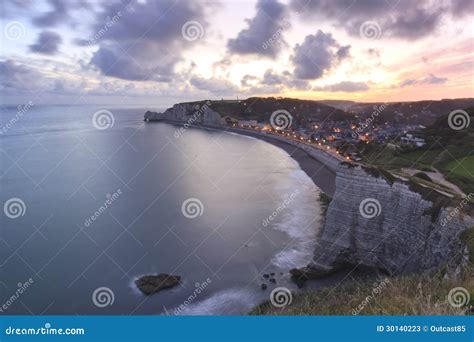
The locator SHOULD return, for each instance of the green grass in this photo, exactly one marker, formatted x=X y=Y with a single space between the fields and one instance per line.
x=408 y=295
x=463 y=167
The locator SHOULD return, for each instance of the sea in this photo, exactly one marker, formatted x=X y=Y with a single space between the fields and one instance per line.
x=93 y=198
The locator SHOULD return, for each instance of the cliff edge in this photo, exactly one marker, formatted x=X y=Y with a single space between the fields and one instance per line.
x=384 y=224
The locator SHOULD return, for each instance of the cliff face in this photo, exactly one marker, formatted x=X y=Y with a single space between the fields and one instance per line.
x=384 y=225
x=187 y=113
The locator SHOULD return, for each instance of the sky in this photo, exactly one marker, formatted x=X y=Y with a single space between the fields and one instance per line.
x=159 y=52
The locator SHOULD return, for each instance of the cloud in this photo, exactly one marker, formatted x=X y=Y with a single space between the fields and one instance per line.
x=57 y=14
x=286 y=78
x=48 y=43
x=430 y=79
x=406 y=19
x=143 y=41
x=264 y=34
x=19 y=78
x=214 y=85
x=247 y=80
x=345 y=86
x=317 y=55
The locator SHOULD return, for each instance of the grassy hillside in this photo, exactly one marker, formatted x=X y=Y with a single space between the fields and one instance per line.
x=448 y=150
x=260 y=108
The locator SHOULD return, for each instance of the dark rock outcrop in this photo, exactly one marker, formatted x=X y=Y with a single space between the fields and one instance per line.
x=150 y=284
x=188 y=113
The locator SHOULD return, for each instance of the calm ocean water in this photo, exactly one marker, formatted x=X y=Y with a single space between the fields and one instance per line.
x=133 y=178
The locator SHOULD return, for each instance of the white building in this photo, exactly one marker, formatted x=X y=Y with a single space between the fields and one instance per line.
x=410 y=139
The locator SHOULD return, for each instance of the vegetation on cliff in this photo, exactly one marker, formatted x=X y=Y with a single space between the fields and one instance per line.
x=448 y=150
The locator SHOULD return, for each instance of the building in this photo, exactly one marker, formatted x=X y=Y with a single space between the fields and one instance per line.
x=410 y=139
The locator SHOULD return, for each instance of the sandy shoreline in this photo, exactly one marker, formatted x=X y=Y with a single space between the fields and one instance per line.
x=321 y=171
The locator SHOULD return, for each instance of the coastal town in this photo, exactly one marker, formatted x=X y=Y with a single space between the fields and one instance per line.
x=342 y=139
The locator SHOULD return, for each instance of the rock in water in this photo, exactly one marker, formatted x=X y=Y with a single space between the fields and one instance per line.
x=150 y=284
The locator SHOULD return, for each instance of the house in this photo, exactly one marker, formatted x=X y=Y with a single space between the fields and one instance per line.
x=410 y=139
x=229 y=121
x=247 y=123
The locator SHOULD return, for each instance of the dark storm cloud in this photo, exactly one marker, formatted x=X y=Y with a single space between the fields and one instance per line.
x=264 y=34
x=317 y=55
x=143 y=41
x=48 y=43
x=405 y=19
